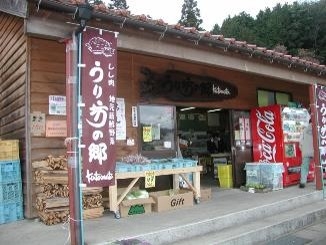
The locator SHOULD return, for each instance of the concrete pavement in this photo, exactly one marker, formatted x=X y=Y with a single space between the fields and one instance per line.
x=227 y=209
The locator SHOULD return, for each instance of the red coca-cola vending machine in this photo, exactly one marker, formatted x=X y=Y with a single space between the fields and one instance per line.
x=276 y=134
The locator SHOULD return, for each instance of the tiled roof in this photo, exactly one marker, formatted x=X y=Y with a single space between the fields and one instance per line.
x=202 y=37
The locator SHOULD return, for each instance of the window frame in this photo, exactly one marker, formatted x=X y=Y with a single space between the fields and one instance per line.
x=275 y=92
x=168 y=153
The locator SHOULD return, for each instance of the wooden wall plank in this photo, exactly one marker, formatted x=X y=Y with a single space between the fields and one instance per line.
x=13 y=63
x=47 y=76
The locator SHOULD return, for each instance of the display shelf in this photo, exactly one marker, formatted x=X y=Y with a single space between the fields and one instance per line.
x=182 y=171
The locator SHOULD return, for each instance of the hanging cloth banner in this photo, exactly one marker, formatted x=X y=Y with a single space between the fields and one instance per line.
x=98 y=91
x=321 y=121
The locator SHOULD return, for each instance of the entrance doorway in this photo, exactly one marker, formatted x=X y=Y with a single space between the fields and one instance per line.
x=204 y=135
x=214 y=138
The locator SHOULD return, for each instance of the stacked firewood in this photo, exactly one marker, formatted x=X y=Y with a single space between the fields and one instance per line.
x=92 y=202
x=52 y=192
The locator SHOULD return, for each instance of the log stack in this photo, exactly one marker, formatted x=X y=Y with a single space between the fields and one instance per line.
x=92 y=202
x=52 y=192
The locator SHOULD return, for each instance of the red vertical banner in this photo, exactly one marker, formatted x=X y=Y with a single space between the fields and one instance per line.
x=321 y=121
x=98 y=90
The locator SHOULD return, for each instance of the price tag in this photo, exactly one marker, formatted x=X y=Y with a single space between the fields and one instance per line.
x=149 y=179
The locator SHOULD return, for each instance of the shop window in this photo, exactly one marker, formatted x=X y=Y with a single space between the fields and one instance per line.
x=270 y=97
x=157 y=125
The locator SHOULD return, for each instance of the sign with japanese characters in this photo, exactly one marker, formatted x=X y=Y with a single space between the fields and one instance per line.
x=56 y=128
x=38 y=123
x=98 y=83
x=321 y=121
x=57 y=105
x=149 y=179
x=121 y=126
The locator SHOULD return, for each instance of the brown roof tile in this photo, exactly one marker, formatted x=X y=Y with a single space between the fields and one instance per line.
x=236 y=44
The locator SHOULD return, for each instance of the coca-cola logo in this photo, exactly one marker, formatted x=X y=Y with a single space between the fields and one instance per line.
x=266 y=132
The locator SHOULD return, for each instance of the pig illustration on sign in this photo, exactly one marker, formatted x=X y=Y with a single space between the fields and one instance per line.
x=98 y=46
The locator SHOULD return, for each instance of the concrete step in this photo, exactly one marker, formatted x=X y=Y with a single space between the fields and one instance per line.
x=225 y=224
x=264 y=229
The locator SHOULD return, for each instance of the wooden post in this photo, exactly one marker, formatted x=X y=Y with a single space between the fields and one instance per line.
x=313 y=113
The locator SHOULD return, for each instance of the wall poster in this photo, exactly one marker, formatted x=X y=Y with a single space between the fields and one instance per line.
x=56 y=128
x=38 y=123
x=121 y=126
x=57 y=105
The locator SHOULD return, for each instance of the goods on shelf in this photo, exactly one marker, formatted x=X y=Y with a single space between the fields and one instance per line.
x=136 y=202
x=155 y=164
x=52 y=192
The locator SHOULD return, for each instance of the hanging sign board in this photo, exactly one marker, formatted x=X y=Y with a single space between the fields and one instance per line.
x=98 y=83
x=321 y=121
x=149 y=179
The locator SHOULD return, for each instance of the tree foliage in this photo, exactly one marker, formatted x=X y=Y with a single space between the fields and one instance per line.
x=190 y=15
x=299 y=28
x=118 y=4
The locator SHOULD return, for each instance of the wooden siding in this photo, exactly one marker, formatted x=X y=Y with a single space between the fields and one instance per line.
x=47 y=77
x=12 y=77
x=13 y=73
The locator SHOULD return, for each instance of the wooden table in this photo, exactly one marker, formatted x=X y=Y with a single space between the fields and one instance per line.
x=176 y=172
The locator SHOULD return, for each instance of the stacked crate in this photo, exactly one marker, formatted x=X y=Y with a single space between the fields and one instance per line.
x=11 y=194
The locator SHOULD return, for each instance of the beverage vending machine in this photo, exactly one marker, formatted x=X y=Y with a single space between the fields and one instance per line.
x=276 y=132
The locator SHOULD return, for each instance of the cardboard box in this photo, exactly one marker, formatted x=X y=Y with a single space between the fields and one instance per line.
x=171 y=199
x=136 y=206
x=205 y=194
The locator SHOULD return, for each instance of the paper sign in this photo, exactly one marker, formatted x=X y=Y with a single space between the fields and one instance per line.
x=147 y=134
x=57 y=105
x=242 y=128
x=134 y=116
x=247 y=129
x=149 y=179
x=56 y=128
x=121 y=119
x=156 y=132
x=38 y=124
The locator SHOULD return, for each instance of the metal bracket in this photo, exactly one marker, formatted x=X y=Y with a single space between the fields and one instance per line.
x=163 y=33
x=38 y=5
x=123 y=22
x=197 y=41
x=226 y=48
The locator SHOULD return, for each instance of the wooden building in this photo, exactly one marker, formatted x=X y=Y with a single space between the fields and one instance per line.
x=32 y=67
